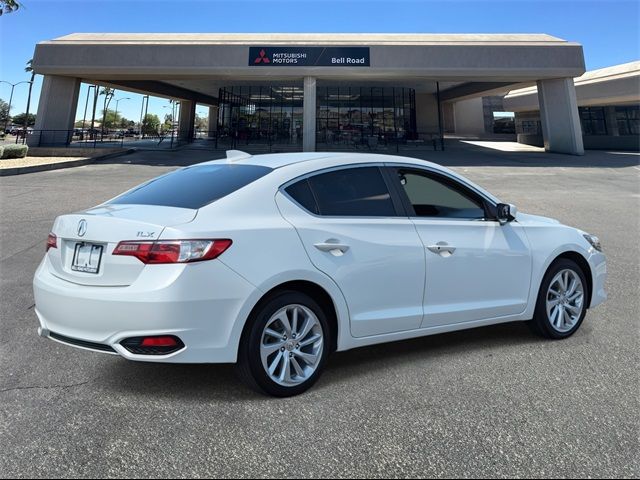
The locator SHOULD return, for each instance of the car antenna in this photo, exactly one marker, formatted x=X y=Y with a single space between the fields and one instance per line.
x=237 y=155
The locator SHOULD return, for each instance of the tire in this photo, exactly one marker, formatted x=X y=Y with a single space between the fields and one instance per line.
x=260 y=350
x=550 y=322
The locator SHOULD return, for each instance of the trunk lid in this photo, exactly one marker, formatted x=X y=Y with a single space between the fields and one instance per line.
x=86 y=241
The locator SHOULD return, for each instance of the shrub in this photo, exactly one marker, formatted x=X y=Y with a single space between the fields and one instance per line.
x=14 y=151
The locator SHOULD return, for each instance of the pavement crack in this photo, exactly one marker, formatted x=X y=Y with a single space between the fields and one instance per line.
x=21 y=251
x=46 y=387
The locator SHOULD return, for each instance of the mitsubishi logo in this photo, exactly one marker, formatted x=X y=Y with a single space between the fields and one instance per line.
x=82 y=227
x=262 y=58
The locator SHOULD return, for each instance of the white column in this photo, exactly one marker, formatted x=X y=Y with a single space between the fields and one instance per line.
x=309 y=115
x=561 y=129
x=56 y=111
x=187 y=120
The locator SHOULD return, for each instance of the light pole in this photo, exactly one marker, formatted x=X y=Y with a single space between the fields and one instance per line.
x=116 y=118
x=145 y=99
x=13 y=85
x=172 y=106
x=201 y=115
x=124 y=98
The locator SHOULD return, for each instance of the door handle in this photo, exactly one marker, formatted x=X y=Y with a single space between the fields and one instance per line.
x=442 y=248
x=333 y=247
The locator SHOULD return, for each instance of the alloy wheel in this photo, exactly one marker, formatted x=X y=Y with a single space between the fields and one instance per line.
x=291 y=345
x=565 y=300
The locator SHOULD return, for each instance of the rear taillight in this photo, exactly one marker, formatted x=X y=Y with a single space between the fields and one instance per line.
x=52 y=241
x=159 y=342
x=160 y=345
x=173 y=251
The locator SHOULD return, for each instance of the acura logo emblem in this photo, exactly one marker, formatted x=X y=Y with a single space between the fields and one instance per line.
x=82 y=227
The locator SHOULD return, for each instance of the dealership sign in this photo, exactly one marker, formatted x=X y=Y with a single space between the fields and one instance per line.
x=309 y=56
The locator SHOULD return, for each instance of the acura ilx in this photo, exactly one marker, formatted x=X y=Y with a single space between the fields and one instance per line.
x=275 y=261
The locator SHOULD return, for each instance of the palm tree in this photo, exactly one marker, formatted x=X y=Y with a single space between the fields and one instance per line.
x=8 y=6
x=29 y=69
x=108 y=95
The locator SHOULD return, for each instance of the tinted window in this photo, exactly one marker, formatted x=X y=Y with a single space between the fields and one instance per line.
x=358 y=192
x=431 y=196
x=194 y=187
x=301 y=193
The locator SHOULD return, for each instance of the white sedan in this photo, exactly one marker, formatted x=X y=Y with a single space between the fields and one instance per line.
x=275 y=261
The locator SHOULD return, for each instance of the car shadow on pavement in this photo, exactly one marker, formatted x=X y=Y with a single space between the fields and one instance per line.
x=490 y=340
x=220 y=382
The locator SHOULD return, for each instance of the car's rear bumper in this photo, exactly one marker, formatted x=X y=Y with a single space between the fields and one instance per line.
x=199 y=303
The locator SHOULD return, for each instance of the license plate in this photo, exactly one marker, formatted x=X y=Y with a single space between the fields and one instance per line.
x=86 y=258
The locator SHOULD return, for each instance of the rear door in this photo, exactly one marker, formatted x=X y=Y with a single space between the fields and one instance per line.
x=353 y=231
x=476 y=269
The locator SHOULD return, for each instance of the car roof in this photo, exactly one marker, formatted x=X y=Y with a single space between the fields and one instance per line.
x=279 y=160
x=302 y=161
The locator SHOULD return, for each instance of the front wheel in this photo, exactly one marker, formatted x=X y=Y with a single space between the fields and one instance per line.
x=561 y=305
x=285 y=346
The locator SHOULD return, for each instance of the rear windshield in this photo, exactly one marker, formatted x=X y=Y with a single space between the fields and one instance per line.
x=193 y=187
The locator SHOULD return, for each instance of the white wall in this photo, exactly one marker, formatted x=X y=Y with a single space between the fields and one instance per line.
x=469 y=117
x=426 y=113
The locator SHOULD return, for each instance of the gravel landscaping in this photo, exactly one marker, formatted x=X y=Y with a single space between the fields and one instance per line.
x=33 y=161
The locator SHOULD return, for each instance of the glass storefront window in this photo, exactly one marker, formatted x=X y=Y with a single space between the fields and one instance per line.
x=362 y=115
x=592 y=120
x=628 y=119
x=529 y=127
x=261 y=114
x=345 y=115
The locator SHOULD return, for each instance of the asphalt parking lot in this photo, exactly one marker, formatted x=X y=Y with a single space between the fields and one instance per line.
x=490 y=402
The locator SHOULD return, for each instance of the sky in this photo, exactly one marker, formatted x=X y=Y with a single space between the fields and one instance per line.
x=608 y=29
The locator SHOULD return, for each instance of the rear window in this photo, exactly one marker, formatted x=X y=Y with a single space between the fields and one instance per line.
x=301 y=193
x=193 y=187
x=352 y=192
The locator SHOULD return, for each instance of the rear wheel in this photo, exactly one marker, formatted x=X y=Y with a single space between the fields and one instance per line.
x=561 y=305
x=285 y=345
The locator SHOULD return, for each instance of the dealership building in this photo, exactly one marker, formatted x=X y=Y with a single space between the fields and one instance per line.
x=316 y=90
x=608 y=107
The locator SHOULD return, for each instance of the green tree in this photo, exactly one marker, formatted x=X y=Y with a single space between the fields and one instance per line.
x=29 y=69
x=202 y=123
x=150 y=124
x=21 y=119
x=168 y=122
x=4 y=112
x=8 y=6
x=111 y=120
x=108 y=93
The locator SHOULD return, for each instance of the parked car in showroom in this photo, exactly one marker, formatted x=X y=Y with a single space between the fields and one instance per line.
x=275 y=261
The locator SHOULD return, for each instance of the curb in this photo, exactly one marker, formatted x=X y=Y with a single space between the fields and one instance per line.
x=60 y=165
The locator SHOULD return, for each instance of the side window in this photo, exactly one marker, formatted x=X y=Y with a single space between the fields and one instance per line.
x=432 y=196
x=301 y=193
x=355 y=192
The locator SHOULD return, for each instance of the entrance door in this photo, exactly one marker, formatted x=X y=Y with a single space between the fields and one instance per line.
x=265 y=115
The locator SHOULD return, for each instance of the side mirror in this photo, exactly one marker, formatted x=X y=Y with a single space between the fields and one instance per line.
x=506 y=212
